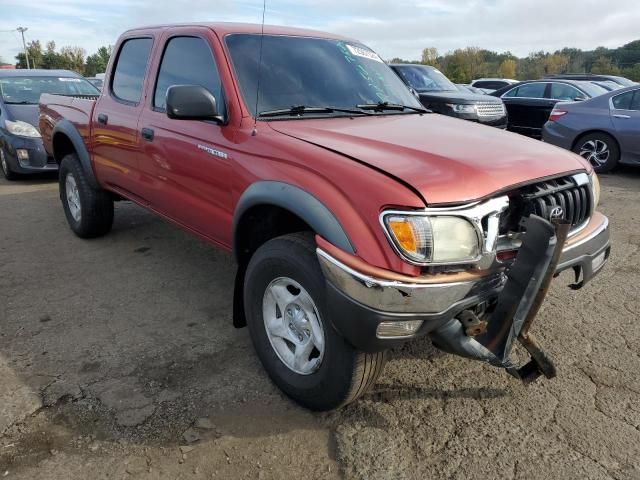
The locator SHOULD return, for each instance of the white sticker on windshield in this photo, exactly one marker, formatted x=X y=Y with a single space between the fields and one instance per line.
x=363 y=52
x=69 y=79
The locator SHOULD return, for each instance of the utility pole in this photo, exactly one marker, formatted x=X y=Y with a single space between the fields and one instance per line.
x=24 y=45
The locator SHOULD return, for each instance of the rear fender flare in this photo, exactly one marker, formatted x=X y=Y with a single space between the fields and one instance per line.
x=66 y=128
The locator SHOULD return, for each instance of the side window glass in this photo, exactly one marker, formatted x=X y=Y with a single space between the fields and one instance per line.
x=623 y=102
x=128 y=77
x=187 y=61
x=531 y=90
x=512 y=93
x=635 y=104
x=562 y=91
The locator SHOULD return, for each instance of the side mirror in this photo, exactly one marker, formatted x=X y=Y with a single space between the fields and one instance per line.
x=191 y=102
x=580 y=99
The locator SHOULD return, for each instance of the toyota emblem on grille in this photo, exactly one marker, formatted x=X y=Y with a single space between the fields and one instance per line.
x=556 y=213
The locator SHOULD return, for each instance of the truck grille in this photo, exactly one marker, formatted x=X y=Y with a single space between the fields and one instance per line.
x=543 y=198
x=494 y=109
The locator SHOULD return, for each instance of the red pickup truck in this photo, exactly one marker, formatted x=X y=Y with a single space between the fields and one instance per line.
x=358 y=219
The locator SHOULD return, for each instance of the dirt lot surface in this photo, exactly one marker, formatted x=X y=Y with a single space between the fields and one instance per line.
x=118 y=360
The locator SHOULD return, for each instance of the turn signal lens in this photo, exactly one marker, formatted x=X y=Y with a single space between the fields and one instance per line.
x=595 y=185
x=411 y=235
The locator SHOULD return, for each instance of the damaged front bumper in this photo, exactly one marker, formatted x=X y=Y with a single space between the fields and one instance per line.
x=476 y=315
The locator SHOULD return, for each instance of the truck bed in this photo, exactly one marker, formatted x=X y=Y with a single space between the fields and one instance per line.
x=76 y=109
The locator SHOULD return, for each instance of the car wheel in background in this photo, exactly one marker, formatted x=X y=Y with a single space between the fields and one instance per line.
x=600 y=150
x=89 y=211
x=5 y=167
x=304 y=355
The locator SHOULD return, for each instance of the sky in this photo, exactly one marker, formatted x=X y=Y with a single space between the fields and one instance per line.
x=396 y=28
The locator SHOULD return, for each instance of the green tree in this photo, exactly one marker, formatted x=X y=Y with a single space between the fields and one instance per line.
x=430 y=57
x=97 y=63
x=556 y=63
x=603 y=66
x=507 y=68
x=51 y=59
x=34 y=50
x=73 y=58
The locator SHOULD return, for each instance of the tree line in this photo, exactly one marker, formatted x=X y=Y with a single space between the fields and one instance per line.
x=67 y=58
x=466 y=64
x=461 y=65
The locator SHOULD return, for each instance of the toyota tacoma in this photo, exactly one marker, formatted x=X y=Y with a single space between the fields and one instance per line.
x=358 y=219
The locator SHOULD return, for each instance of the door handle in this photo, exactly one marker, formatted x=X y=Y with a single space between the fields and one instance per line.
x=147 y=134
x=619 y=115
x=102 y=118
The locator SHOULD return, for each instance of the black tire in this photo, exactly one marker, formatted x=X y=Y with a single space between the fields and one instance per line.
x=5 y=167
x=95 y=206
x=344 y=373
x=592 y=142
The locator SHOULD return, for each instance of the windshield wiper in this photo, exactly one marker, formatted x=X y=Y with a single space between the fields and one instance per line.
x=299 y=110
x=383 y=106
x=23 y=102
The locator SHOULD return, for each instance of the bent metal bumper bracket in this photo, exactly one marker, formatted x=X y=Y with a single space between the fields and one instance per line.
x=527 y=285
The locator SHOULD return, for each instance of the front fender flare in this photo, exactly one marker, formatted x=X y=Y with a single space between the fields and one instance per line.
x=66 y=128
x=297 y=201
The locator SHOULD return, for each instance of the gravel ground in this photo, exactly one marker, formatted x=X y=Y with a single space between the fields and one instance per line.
x=118 y=359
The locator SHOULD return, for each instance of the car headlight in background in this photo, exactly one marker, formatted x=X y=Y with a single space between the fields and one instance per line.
x=458 y=108
x=595 y=186
x=433 y=239
x=21 y=129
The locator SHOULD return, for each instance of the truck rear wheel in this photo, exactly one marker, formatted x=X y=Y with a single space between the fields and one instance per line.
x=304 y=355
x=89 y=211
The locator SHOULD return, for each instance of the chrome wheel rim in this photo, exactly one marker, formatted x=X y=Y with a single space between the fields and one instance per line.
x=73 y=197
x=3 y=162
x=596 y=152
x=293 y=326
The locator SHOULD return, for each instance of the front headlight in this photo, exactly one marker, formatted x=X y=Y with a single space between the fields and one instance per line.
x=595 y=186
x=462 y=108
x=433 y=239
x=22 y=129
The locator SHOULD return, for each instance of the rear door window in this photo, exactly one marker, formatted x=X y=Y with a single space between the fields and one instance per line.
x=128 y=76
x=623 y=101
x=531 y=90
x=563 y=91
x=187 y=61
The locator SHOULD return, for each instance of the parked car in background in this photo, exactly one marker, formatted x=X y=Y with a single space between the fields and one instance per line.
x=608 y=85
x=604 y=130
x=21 y=150
x=529 y=103
x=440 y=95
x=96 y=82
x=468 y=88
x=590 y=77
x=359 y=220
x=492 y=84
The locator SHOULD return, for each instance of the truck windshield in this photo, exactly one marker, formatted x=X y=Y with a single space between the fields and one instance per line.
x=314 y=72
x=27 y=90
x=424 y=79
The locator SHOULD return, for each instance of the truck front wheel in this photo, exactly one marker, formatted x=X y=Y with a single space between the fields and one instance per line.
x=284 y=297
x=89 y=211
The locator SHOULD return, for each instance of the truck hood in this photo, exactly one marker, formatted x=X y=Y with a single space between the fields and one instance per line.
x=25 y=113
x=445 y=160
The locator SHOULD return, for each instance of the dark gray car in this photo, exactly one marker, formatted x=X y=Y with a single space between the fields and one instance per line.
x=605 y=130
x=21 y=149
x=437 y=93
